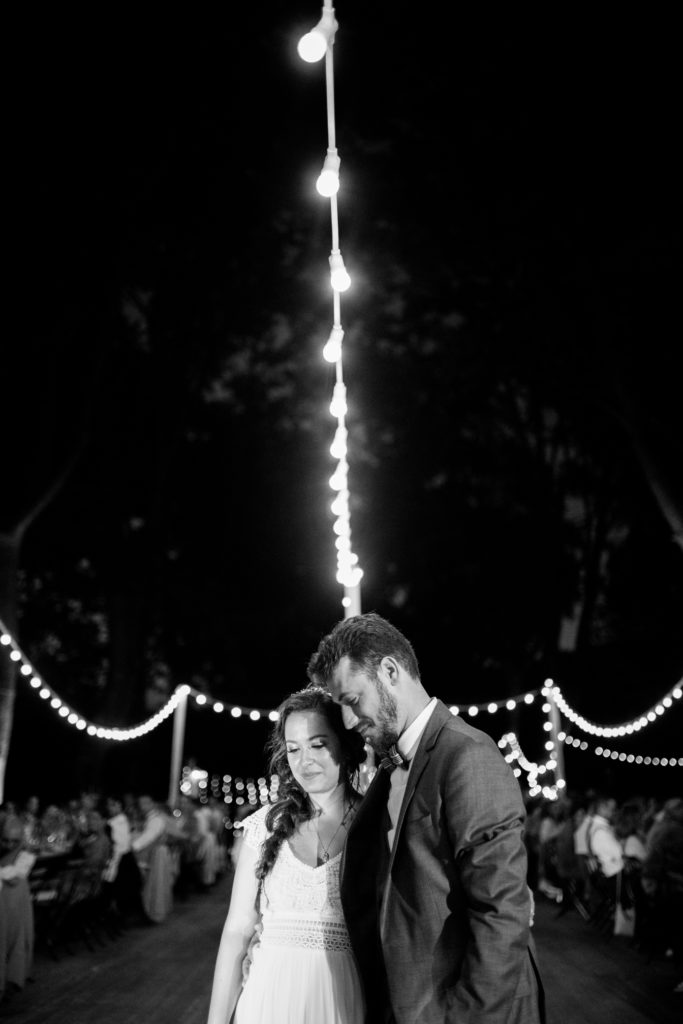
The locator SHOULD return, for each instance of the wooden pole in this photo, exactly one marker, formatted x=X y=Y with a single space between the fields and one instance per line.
x=179 y=717
x=558 y=749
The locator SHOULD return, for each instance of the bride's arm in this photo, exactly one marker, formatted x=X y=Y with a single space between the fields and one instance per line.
x=237 y=933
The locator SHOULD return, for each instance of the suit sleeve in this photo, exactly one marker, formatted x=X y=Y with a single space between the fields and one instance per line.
x=484 y=816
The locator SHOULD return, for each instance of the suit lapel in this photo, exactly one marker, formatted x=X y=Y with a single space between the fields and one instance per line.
x=368 y=815
x=438 y=718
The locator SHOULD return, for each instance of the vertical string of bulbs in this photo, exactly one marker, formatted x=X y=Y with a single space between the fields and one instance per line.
x=312 y=47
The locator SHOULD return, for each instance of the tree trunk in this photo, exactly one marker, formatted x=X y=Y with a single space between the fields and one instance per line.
x=10 y=544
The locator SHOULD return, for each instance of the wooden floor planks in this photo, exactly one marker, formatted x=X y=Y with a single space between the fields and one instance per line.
x=162 y=975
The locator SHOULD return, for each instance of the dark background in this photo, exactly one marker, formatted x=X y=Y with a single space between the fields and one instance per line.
x=510 y=216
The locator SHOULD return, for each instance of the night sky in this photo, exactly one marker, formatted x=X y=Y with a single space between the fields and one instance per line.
x=510 y=217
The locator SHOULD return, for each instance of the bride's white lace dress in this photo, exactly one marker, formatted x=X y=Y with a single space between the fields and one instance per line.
x=302 y=969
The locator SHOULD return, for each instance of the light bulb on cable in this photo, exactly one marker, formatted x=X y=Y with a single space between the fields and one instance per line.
x=339 y=479
x=340 y=503
x=339 y=278
x=313 y=46
x=328 y=179
x=338 y=446
x=333 y=346
x=338 y=406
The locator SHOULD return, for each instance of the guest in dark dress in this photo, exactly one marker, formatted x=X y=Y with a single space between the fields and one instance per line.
x=16 y=909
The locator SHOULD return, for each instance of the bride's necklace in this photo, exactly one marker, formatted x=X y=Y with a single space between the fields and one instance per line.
x=325 y=856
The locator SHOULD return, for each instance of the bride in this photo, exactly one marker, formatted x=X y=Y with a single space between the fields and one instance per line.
x=285 y=925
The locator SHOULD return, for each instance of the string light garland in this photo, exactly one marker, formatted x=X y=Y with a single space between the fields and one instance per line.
x=533 y=769
x=231 y=790
x=625 y=728
x=620 y=755
x=120 y=735
x=312 y=47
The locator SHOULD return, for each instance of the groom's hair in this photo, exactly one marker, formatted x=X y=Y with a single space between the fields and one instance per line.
x=365 y=640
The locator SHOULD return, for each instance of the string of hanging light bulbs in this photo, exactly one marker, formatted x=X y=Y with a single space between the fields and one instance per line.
x=312 y=47
x=624 y=728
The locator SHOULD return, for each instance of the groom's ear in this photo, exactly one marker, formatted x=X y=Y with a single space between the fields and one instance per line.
x=388 y=670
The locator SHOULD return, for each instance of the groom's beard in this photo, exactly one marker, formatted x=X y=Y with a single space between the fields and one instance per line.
x=387 y=721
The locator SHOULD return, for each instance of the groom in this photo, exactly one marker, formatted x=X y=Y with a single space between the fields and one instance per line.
x=434 y=873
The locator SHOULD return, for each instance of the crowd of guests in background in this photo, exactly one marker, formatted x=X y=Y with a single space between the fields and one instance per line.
x=584 y=852
x=619 y=865
x=126 y=857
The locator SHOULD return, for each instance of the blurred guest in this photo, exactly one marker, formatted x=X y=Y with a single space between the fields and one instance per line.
x=31 y=822
x=16 y=909
x=604 y=849
x=548 y=882
x=121 y=873
x=57 y=829
x=154 y=861
x=628 y=830
x=208 y=846
x=582 y=820
x=132 y=812
x=217 y=825
x=568 y=867
x=94 y=841
x=662 y=876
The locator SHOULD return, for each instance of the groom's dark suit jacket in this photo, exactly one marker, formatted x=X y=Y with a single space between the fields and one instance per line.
x=452 y=942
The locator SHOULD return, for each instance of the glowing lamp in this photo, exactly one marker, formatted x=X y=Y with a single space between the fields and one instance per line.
x=340 y=503
x=349 y=578
x=339 y=477
x=312 y=47
x=338 y=446
x=339 y=278
x=338 y=405
x=333 y=347
x=328 y=179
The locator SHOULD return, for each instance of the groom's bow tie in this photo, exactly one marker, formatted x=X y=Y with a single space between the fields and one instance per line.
x=394 y=759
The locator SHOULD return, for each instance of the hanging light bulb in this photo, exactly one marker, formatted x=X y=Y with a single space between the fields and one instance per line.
x=340 y=503
x=333 y=346
x=349 y=577
x=328 y=179
x=342 y=526
x=313 y=46
x=339 y=278
x=338 y=404
x=338 y=446
x=339 y=477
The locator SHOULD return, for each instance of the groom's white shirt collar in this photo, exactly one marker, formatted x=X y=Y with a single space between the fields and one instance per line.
x=409 y=739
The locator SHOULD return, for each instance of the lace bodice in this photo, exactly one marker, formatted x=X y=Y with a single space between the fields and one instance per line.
x=300 y=904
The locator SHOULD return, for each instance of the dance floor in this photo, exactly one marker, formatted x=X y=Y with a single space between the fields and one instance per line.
x=163 y=973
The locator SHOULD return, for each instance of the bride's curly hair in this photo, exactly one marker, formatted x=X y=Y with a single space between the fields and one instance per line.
x=293 y=806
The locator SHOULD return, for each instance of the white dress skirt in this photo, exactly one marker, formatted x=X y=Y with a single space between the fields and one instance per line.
x=302 y=968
